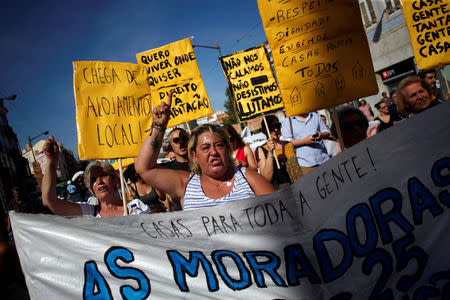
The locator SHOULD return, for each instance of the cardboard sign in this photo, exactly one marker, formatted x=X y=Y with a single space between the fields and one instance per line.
x=113 y=108
x=125 y=162
x=251 y=82
x=173 y=68
x=428 y=24
x=320 y=51
x=361 y=225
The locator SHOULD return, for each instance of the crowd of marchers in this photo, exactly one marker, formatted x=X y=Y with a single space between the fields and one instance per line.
x=213 y=164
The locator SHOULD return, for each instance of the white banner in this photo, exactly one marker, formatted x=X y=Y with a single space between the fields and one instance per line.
x=371 y=223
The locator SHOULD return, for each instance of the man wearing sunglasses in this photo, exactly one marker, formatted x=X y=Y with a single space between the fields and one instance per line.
x=178 y=140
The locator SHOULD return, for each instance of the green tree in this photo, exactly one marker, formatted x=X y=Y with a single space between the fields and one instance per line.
x=230 y=109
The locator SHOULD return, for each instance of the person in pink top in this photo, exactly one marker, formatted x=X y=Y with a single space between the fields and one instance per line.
x=365 y=108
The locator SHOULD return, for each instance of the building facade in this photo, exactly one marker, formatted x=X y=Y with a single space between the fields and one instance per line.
x=390 y=45
x=39 y=157
x=14 y=170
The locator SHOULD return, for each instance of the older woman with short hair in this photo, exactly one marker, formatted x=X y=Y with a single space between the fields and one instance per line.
x=100 y=178
x=414 y=95
x=213 y=179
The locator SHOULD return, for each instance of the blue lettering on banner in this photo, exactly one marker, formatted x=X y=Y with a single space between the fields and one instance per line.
x=441 y=180
x=394 y=215
x=421 y=199
x=363 y=211
x=244 y=281
x=125 y=255
x=181 y=266
x=269 y=266
x=330 y=273
x=366 y=223
x=295 y=256
x=95 y=286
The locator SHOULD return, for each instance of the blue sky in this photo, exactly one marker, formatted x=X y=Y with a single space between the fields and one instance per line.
x=40 y=39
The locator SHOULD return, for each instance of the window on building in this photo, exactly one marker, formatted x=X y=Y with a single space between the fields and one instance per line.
x=367 y=12
x=392 y=6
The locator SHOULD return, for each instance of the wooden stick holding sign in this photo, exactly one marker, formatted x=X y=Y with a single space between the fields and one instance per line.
x=338 y=128
x=189 y=128
x=445 y=78
x=122 y=186
x=274 y=151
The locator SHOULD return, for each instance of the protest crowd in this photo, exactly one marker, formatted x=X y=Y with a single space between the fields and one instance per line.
x=205 y=170
x=176 y=170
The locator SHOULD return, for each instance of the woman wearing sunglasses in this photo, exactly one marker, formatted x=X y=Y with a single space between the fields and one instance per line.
x=279 y=177
x=213 y=178
x=99 y=177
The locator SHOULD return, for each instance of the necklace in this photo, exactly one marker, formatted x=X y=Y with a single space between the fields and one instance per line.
x=227 y=183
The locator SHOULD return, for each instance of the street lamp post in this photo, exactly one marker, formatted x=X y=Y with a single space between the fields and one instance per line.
x=12 y=97
x=210 y=47
x=31 y=145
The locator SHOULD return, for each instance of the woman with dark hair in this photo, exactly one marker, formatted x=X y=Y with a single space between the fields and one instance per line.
x=279 y=177
x=213 y=178
x=242 y=153
x=386 y=118
x=139 y=189
x=353 y=125
x=365 y=108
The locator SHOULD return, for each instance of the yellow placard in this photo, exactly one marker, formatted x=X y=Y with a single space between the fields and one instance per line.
x=125 y=162
x=113 y=108
x=251 y=82
x=428 y=24
x=320 y=51
x=173 y=68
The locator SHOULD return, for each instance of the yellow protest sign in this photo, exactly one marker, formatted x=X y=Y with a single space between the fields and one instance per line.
x=113 y=108
x=173 y=68
x=125 y=162
x=251 y=83
x=320 y=52
x=428 y=24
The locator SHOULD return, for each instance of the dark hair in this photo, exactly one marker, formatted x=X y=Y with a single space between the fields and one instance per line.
x=270 y=119
x=391 y=93
x=377 y=106
x=130 y=173
x=235 y=138
x=343 y=111
x=169 y=138
x=423 y=73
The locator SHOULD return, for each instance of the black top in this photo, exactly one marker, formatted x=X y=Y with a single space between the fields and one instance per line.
x=383 y=126
x=280 y=176
x=151 y=199
x=175 y=165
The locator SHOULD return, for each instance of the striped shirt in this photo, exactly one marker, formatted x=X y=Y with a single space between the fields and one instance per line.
x=196 y=198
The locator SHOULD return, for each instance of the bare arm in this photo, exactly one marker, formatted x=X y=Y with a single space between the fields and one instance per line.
x=265 y=164
x=250 y=158
x=258 y=183
x=49 y=199
x=172 y=182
